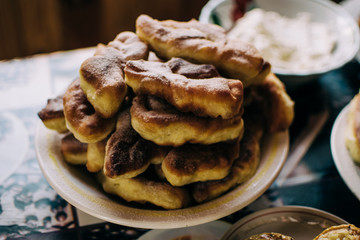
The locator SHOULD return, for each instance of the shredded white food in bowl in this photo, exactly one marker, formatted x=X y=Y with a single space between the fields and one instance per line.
x=292 y=44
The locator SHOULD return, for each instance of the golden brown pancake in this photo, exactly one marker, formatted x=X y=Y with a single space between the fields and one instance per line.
x=190 y=70
x=126 y=154
x=343 y=232
x=213 y=97
x=73 y=151
x=102 y=80
x=264 y=102
x=203 y=43
x=81 y=118
x=140 y=189
x=52 y=115
x=273 y=102
x=195 y=162
x=102 y=77
x=352 y=133
x=244 y=166
x=130 y=46
x=95 y=155
x=157 y=121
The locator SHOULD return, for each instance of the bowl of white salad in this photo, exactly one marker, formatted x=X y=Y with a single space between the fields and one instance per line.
x=302 y=39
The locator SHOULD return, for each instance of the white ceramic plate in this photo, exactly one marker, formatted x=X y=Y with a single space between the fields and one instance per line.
x=80 y=189
x=353 y=7
x=348 y=170
x=301 y=223
x=207 y=231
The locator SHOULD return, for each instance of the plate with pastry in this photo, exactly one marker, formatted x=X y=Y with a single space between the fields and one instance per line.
x=283 y=223
x=157 y=137
x=342 y=231
x=345 y=144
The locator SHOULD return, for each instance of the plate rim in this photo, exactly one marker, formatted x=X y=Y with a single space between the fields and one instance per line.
x=274 y=210
x=344 y=164
x=161 y=219
x=155 y=233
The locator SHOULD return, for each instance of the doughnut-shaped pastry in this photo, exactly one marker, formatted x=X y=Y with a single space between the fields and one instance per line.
x=343 y=231
x=73 y=151
x=95 y=155
x=203 y=43
x=352 y=133
x=130 y=46
x=140 y=189
x=157 y=121
x=81 y=118
x=195 y=162
x=268 y=108
x=211 y=97
x=52 y=115
x=102 y=77
x=244 y=167
x=126 y=153
x=102 y=80
x=273 y=103
x=190 y=70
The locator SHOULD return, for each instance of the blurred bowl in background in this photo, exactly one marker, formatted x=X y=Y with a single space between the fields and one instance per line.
x=341 y=23
x=353 y=7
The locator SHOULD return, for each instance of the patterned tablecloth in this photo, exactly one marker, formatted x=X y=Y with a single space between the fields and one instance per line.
x=29 y=206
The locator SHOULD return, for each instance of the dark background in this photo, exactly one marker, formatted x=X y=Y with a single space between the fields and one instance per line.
x=29 y=27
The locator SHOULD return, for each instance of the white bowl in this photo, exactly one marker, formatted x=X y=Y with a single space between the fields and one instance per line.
x=324 y=11
x=353 y=7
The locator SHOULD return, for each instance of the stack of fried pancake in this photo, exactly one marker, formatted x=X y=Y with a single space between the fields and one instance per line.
x=173 y=114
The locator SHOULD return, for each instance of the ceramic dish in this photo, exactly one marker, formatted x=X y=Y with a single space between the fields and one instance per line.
x=353 y=7
x=207 y=231
x=344 y=25
x=348 y=170
x=301 y=223
x=79 y=188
